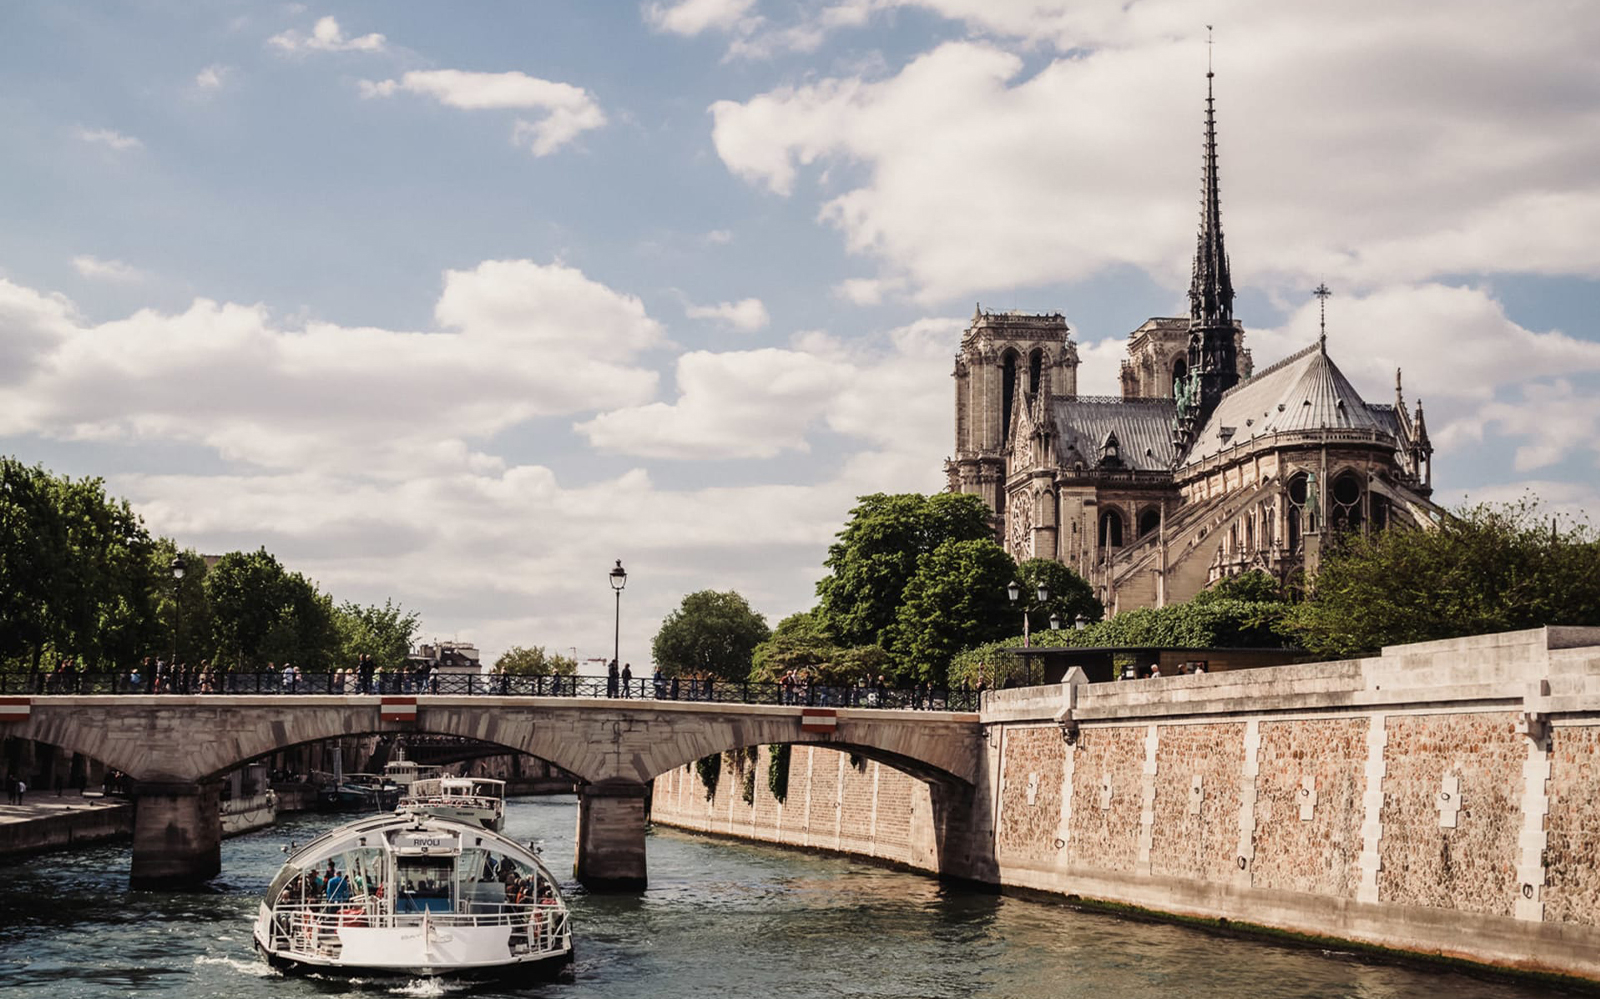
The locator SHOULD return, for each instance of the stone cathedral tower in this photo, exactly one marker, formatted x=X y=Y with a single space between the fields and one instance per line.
x=1203 y=468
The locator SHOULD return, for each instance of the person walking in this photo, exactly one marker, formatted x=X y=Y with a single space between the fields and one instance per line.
x=364 y=670
x=611 y=679
x=627 y=679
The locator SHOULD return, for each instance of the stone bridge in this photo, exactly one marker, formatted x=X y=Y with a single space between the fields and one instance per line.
x=175 y=749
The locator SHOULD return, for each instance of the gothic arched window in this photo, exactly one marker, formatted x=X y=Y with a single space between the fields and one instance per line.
x=1346 y=496
x=1111 y=529
x=1008 y=393
x=1180 y=369
x=1149 y=521
x=1035 y=369
x=1298 y=489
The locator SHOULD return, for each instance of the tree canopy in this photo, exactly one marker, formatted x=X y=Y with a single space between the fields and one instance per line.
x=957 y=598
x=876 y=555
x=1486 y=568
x=1071 y=596
x=800 y=643
x=710 y=634
x=533 y=660
x=81 y=576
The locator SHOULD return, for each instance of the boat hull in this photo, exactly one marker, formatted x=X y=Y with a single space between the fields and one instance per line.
x=533 y=968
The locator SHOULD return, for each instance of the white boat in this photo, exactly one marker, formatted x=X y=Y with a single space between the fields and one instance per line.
x=413 y=894
x=404 y=772
x=465 y=799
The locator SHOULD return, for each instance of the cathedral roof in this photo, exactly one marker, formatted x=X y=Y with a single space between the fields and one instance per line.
x=1142 y=428
x=1304 y=391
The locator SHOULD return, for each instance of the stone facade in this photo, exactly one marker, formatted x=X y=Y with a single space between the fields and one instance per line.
x=1438 y=799
x=1203 y=468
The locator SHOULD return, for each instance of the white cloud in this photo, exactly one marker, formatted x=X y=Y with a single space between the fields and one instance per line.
x=955 y=160
x=691 y=17
x=110 y=138
x=213 y=77
x=747 y=314
x=107 y=270
x=569 y=111
x=326 y=36
x=521 y=340
x=761 y=403
x=719 y=237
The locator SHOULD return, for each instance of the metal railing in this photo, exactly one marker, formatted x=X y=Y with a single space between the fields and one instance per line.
x=312 y=927
x=500 y=685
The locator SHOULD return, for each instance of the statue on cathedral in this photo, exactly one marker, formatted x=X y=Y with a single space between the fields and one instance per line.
x=1313 y=503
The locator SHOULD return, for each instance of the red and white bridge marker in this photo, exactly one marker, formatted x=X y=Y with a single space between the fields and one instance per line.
x=819 y=721
x=402 y=709
x=15 y=709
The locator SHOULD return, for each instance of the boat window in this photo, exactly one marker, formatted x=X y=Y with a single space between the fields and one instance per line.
x=423 y=884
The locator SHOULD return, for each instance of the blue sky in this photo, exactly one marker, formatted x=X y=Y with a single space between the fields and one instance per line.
x=458 y=304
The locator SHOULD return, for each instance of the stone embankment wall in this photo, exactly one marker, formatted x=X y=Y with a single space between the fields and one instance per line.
x=65 y=828
x=1443 y=798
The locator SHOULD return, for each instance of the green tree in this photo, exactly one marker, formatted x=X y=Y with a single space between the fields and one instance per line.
x=800 y=643
x=876 y=555
x=184 y=612
x=1254 y=586
x=264 y=613
x=710 y=633
x=1071 y=596
x=381 y=632
x=1487 y=568
x=74 y=570
x=534 y=661
x=956 y=599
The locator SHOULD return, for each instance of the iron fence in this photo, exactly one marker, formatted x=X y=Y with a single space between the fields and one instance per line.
x=497 y=685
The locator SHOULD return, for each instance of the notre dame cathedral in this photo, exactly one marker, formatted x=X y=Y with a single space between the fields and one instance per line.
x=1203 y=468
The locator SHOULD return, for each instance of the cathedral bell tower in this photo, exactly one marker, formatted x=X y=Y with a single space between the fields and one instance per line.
x=1005 y=357
x=1213 y=360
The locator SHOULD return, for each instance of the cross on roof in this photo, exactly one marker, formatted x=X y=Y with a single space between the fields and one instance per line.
x=1322 y=294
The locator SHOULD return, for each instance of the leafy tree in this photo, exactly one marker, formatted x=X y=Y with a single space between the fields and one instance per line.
x=74 y=570
x=800 y=643
x=534 y=661
x=384 y=633
x=263 y=613
x=1490 y=567
x=710 y=634
x=1254 y=586
x=1071 y=596
x=876 y=555
x=956 y=599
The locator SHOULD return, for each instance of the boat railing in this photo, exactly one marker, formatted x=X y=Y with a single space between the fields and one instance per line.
x=313 y=928
x=452 y=800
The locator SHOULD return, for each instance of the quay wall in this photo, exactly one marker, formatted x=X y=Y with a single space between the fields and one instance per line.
x=66 y=828
x=1442 y=799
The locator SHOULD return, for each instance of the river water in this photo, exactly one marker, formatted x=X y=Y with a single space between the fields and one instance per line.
x=720 y=919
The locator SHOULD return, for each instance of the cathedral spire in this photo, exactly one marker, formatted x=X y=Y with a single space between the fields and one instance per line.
x=1213 y=359
x=1211 y=286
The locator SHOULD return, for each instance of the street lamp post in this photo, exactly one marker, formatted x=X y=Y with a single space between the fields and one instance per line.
x=1014 y=591
x=177 y=612
x=619 y=579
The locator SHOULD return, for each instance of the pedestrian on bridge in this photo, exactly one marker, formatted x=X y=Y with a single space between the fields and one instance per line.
x=364 y=670
x=611 y=679
x=627 y=679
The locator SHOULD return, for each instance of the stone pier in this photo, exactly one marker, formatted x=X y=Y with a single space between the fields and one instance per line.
x=609 y=854
x=177 y=833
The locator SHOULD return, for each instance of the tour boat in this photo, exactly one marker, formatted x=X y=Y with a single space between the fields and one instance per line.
x=465 y=799
x=403 y=772
x=413 y=894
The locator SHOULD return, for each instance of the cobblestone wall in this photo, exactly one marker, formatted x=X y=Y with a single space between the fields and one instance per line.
x=1572 y=851
x=1030 y=796
x=1396 y=801
x=1107 y=798
x=1452 y=811
x=1309 y=805
x=1195 y=821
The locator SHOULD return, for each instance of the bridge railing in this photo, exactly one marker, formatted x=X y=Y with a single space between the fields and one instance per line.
x=498 y=685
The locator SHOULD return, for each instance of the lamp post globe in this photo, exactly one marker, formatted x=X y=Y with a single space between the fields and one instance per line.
x=1055 y=622
x=1013 y=590
x=1080 y=622
x=1043 y=594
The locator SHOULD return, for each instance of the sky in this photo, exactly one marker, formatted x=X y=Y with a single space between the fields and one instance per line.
x=459 y=304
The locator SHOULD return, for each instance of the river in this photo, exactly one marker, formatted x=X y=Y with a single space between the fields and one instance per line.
x=720 y=919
